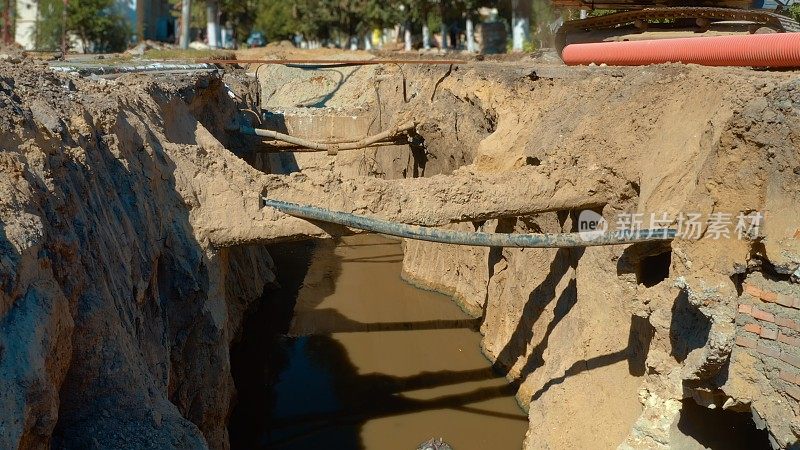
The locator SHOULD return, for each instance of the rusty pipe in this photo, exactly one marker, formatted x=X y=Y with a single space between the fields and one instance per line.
x=334 y=62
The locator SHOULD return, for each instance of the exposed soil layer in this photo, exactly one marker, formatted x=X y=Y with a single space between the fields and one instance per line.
x=628 y=331
x=115 y=313
x=132 y=235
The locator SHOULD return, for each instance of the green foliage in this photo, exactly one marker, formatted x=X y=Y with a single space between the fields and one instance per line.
x=793 y=11
x=49 y=29
x=276 y=19
x=96 y=22
x=99 y=25
x=328 y=19
x=280 y=19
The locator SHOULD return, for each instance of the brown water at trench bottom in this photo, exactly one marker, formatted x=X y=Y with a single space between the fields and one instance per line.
x=376 y=363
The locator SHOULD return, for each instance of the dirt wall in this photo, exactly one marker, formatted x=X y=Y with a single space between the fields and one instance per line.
x=115 y=313
x=593 y=344
x=130 y=221
x=611 y=341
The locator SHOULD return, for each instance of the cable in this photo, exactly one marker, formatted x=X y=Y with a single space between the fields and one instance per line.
x=545 y=240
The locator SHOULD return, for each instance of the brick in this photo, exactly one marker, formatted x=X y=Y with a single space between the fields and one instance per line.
x=788 y=323
x=763 y=315
x=790 y=377
x=766 y=333
x=753 y=328
x=746 y=342
x=794 y=342
x=793 y=391
x=746 y=309
x=785 y=300
x=769 y=296
x=790 y=359
x=752 y=290
x=769 y=351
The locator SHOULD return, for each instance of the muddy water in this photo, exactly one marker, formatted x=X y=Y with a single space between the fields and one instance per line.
x=372 y=362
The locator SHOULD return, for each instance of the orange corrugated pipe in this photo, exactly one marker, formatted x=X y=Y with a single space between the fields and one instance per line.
x=755 y=50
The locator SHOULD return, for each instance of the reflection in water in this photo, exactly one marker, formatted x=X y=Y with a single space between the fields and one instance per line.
x=369 y=362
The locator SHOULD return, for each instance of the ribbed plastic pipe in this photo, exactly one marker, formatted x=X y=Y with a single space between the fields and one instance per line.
x=479 y=239
x=754 y=50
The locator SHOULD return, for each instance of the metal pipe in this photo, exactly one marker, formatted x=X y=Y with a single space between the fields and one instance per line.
x=330 y=148
x=480 y=239
x=280 y=146
x=337 y=62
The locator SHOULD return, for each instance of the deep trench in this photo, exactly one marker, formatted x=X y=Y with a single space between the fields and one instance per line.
x=302 y=380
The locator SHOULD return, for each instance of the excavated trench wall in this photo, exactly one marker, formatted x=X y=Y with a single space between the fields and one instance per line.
x=116 y=313
x=131 y=243
x=611 y=340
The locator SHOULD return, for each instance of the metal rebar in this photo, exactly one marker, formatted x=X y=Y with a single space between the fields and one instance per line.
x=480 y=239
x=337 y=62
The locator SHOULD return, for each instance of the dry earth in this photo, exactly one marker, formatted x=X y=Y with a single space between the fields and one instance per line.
x=131 y=232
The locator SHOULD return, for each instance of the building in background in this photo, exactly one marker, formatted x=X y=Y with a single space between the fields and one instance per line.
x=153 y=17
x=26 y=14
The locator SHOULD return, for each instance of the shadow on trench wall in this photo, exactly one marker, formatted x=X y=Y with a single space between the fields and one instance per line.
x=689 y=330
x=563 y=264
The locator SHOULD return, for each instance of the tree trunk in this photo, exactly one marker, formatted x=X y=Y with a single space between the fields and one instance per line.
x=212 y=23
x=407 y=36
x=140 y=20
x=470 y=35
x=64 y=46
x=7 y=22
x=186 y=19
x=520 y=23
x=443 y=25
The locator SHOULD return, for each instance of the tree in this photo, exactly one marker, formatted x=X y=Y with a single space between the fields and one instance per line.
x=277 y=19
x=99 y=25
x=6 y=38
x=793 y=11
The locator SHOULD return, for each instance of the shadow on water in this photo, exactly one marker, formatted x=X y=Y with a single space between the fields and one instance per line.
x=317 y=391
x=318 y=418
x=254 y=361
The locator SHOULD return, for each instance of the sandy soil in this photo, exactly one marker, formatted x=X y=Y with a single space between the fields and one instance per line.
x=131 y=229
